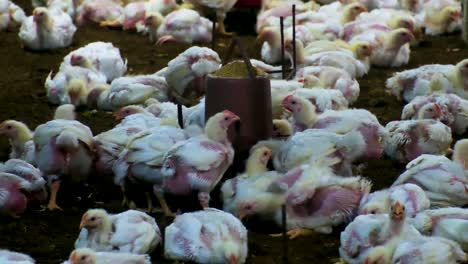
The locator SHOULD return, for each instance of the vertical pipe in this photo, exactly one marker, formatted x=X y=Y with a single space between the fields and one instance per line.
x=213 y=36
x=294 y=40
x=180 y=117
x=285 y=237
x=464 y=4
x=283 y=72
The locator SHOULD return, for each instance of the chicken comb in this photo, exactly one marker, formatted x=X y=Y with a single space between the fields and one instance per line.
x=228 y=113
x=287 y=98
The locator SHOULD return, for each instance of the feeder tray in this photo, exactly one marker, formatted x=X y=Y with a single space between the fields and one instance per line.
x=245 y=91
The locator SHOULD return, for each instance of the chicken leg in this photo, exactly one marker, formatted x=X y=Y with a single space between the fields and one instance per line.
x=160 y=195
x=294 y=233
x=221 y=28
x=110 y=23
x=54 y=187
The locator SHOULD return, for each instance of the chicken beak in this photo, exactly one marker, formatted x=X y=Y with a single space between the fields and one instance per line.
x=438 y=110
x=233 y=260
x=82 y=224
x=242 y=214
x=398 y=211
x=73 y=258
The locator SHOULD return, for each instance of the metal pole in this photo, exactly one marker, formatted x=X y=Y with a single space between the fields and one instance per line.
x=464 y=4
x=180 y=117
x=282 y=47
x=294 y=40
x=213 y=36
x=285 y=237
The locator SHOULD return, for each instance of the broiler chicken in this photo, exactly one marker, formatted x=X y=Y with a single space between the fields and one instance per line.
x=186 y=74
x=429 y=79
x=447 y=222
x=450 y=109
x=330 y=77
x=207 y=236
x=184 y=26
x=410 y=195
x=64 y=151
x=444 y=181
x=89 y=256
x=130 y=232
x=429 y=250
x=11 y=257
x=11 y=15
x=20 y=137
x=96 y=11
x=142 y=159
x=440 y=16
x=199 y=163
x=323 y=99
x=72 y=84
x=99 y=56
x=219 y=7
x=374 y=238
x=47 y=29
x=408 y=139
x=129 y=90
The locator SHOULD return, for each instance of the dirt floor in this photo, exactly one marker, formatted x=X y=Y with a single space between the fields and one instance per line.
x=49 y=236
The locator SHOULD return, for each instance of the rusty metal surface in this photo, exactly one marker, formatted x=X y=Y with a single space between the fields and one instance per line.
x=250 y=99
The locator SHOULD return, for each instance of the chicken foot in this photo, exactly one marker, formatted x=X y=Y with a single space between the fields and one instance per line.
x=54 y=186
x=160 y=195
x=294 y=233
x=221 y=27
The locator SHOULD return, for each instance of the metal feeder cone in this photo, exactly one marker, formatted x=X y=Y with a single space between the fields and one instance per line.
x=248 y=97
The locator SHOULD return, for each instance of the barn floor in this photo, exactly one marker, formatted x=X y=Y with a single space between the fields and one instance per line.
x=49 y=236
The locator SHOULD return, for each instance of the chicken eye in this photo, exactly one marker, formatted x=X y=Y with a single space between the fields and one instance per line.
x=293 y=102
x=430 y=110
x=9 y=127
x=93 y=218
x=226 y=118
x=265 y=153
x=248 y=207
x=83 y=257
x=372 y=212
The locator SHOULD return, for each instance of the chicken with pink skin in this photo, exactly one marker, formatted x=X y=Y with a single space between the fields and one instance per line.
x=331 y=78
x=11 y=257
x=127 y=232
x=96 y=11
x=316 y=199
x=389 y=49
x=374 y=238
x=207 y=236
x=186 y=74
x=450 y=223
x=134 y=14
x=199 y=163
x=89 y=256
x=340 y=122
x=136 y=116
x=129 y=90
x=20 y=137
x=444 y=181
x=64 y=151
x=281 y=9
x=183 y=26
x=408 y=139
x=72 y=84
x=429 y=79
x=440 y=16
x=47 y=29
x=142 y=159
x=449 y=109
x=410 y=195
x=29 y=173
x=429 y=250
x=99 y=56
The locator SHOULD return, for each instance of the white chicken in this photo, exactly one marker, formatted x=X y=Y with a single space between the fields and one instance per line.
x=11 y=257
x=410 y=195
x=440 y=16
x=26 y=171
x=11 y=15
x=323 y=99
x=373 y=238
x=47 y=29
x=444 y=181
x=184 y=26
x=89 y=256
x=96 y=11
x=450 y=109
x=72 y=84
x=129 y=90
x=186 y=74
x=389 y=49
x=429 y=79
x=20 y=137
x=408 y=139
x=99 y=56
x=330 y=77
x=429 y=250
x=130 y=231
x=142 y=159
x=199 y=163
x=447 y=222
x=64 y=151
x=219 y=7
